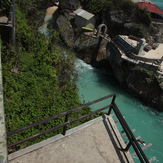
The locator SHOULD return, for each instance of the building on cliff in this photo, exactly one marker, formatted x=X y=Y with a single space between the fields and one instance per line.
x=137 y=51
x=84 y=19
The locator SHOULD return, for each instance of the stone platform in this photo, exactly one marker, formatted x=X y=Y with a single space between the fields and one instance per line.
x=92 y=142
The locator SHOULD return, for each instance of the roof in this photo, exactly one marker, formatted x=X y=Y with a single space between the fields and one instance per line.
x=82 y=13
x=150 y=6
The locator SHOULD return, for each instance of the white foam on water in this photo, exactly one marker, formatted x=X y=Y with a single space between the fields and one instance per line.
x=81 y=64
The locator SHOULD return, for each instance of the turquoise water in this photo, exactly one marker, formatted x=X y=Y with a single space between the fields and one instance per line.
x=159 y=3
x=94 y=83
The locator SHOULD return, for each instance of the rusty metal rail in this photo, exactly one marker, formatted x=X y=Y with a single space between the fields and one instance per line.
x=132 y=140
x=112 y=106
x=64 y=125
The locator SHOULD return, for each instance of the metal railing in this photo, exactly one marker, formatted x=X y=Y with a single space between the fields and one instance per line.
x=132 y=140
x=112 y=106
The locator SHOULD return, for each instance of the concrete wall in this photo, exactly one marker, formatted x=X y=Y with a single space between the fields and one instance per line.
x=81 y=22
x=125 y=46
x=141 y=58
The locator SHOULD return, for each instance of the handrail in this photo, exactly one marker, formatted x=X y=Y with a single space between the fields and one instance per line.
x=132 y=140
x=66 y=114
x=112 y=106
x=60 y=115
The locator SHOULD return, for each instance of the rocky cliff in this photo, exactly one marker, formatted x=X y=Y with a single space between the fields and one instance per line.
x=136 y=80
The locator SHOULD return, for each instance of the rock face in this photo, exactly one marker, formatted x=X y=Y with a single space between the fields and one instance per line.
x=94 y=51
x=139 y=82
x=65 y=29
x=143 y=86
x=117 y=17
x=69 y=5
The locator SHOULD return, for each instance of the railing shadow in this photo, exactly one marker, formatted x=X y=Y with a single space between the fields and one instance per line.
x=112 y=139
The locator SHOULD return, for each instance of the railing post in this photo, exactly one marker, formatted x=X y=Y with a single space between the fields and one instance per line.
x=127 y=147
x=110 y=110
x=65 y=127
x=113 y=99
x=112 y=105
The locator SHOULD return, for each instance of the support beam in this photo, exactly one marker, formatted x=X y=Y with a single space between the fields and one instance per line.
x=152 y=159
x=125 y=134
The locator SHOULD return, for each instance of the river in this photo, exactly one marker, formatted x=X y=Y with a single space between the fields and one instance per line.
x=159 y=3
x=94 y=83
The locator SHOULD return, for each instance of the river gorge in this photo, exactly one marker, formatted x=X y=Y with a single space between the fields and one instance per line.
x=95 y=83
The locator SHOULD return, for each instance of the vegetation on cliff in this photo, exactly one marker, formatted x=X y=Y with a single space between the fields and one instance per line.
x=125 y=10
x=38 y=81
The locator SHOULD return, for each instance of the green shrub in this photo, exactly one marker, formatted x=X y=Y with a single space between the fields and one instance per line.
x=138 y=31
x=38 y=82
x=143 y=16
x=96 y=6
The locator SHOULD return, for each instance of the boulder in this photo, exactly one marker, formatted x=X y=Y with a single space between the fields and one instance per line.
x=65 y=29
x=117 y=17
x=137 y=82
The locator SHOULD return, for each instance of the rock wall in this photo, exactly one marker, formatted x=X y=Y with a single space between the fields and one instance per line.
x=94 y=51
x=136 y=79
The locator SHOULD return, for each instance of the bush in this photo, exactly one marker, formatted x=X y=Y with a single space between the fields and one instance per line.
x=96 y=6
x=138 y=31
x=39 y=81
x=143 y=17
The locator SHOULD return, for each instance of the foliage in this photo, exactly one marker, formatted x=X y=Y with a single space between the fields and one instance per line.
x=33 y=10
x=103 y=7
x=143 y=17
x=39 y=81
x=96 y=6
x=150 y=74
x=138 y=31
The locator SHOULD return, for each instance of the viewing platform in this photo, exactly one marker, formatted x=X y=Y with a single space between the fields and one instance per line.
x=97 y=140
x=93 y=142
